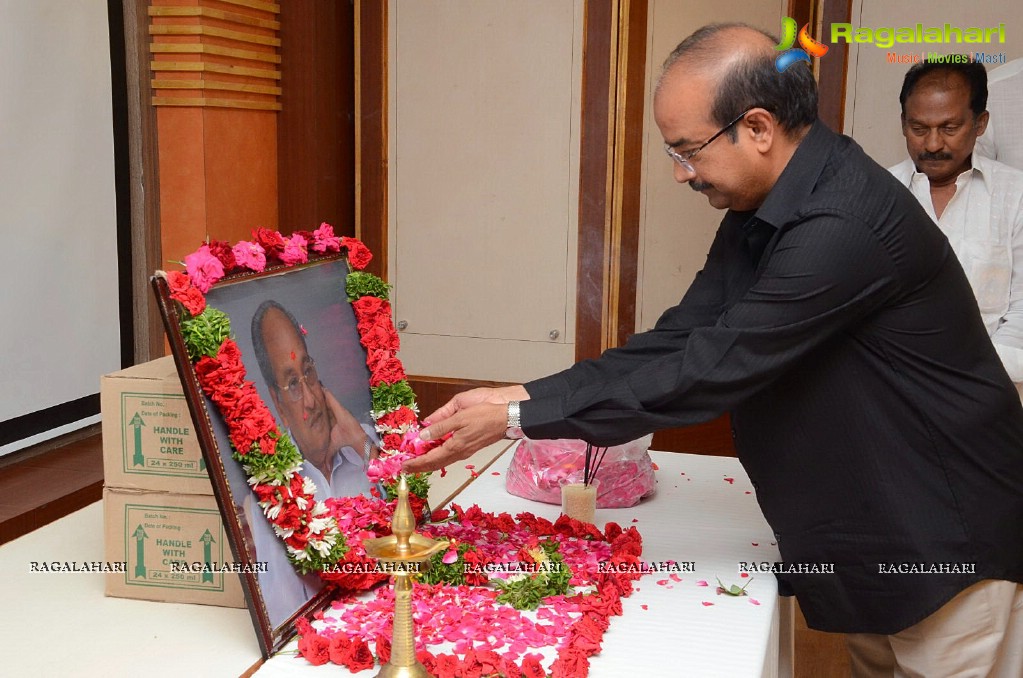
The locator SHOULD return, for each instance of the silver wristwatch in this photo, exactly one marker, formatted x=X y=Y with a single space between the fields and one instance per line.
x=514 y=431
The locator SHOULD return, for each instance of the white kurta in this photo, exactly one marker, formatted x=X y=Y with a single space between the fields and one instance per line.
x=984 y=224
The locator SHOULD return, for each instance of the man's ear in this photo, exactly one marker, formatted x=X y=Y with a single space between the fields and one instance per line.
x=981 y=124
x=761 y=127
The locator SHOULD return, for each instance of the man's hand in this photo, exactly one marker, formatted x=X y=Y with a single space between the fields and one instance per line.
x=472 y=428
x=346 y=431
x=477 y=396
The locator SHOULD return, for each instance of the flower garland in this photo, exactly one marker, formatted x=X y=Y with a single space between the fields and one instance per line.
x=270 y=459
x=481 y=636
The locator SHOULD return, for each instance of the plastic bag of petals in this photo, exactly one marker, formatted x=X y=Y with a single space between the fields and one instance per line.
x=540 y=467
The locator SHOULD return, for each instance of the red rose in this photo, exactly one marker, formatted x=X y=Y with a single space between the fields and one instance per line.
x=531 y=668
x=612 y=531
x=249 y=420
x=315 y=648
x=182 y=290
x=445 y=666
x=272 y=242
x=359 y=255
x=368 y=308
x=398 y=418
x=470 y=667
x=429 y=662
x=570 y=664
x=599 y=620
x=303 y=626
x=340 y=648
x=360 y=657
x=383 y=649
x=289 y=517
x=587 y=635
x=504 y=522
x=439 y=515
x=222 y=251
x=390 y=372
x=391 y=441
x=268 y=443
x=299 y=540
x=265 y=493
x=490 y=661
x=474 y=564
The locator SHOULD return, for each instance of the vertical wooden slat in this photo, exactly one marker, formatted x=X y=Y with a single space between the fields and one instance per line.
x=371 y=130
x=144 y=183
x=594 y=171
x=316 y=126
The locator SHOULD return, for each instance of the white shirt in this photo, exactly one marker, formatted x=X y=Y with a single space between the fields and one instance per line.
x=984 y=224
x=1003 y=139
x=283 y=589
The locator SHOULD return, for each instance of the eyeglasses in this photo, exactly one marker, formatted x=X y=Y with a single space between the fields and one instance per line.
x=293 y=389
x=683 y=159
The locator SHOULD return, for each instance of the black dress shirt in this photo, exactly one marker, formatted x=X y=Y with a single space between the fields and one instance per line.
x=868 y=405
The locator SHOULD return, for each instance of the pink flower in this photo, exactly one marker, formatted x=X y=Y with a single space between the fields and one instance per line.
x=295 y=251
x=250 y=255
x=203 y=268
x=324 y=239
x=385 y=468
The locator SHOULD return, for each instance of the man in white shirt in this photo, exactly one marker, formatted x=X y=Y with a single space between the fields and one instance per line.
x=336 y=448
x=977 y=202
x=1003 y=140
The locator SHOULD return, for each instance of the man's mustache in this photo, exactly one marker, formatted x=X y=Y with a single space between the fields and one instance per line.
x=934 y=156
x=700 y=185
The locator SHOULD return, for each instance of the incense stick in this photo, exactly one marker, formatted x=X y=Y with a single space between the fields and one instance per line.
x=586 y=464
x=596 y=466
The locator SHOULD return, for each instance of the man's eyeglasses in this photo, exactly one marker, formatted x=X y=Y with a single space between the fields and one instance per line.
x=684 y=159
x=293 y=389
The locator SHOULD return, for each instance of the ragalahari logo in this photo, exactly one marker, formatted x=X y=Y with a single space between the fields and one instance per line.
x=808 y=47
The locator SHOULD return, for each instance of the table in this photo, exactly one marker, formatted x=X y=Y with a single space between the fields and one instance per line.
x=62 y=624
x=703 y=513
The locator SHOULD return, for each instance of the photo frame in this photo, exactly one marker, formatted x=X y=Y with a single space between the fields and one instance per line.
x=299 y=343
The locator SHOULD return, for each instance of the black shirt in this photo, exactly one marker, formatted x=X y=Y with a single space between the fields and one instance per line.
x=868 y=404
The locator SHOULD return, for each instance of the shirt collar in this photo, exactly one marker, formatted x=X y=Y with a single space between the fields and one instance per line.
x=980 y=167
x=799 y=177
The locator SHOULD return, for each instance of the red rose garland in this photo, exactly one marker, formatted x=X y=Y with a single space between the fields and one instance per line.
x=327 y=536
x=268 y=456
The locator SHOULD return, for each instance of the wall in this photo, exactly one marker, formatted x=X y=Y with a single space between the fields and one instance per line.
x=872 y=99
x=60 y=300
x=484 y=106
x=677 y=225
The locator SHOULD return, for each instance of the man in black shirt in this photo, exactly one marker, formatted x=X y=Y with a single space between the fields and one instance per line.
x=835 y=324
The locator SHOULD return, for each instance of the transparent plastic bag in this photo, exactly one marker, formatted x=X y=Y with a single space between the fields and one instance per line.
x=540 y=467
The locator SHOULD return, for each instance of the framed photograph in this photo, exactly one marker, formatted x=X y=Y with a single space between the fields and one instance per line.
x=300 y=347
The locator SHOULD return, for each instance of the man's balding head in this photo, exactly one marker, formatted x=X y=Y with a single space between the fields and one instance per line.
x=738 y=62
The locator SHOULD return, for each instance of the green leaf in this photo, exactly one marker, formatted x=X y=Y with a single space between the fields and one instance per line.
x=204 y=333
x=388 y=397
x=734 y=589
x=362 y=284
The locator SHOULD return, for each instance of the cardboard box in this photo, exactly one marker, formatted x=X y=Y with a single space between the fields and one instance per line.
x=149 y=441
x=154 y=533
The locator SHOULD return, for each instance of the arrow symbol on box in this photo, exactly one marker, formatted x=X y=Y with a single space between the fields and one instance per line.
x=137 y=423
x=140 y=537
x=207 y=548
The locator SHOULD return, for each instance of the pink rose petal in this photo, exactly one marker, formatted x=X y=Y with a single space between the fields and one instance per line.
x=706 y=604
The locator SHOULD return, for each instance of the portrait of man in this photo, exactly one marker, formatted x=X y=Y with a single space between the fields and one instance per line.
x=300 y=346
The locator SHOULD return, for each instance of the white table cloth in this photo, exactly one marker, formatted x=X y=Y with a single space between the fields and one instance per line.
x=703 y=513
